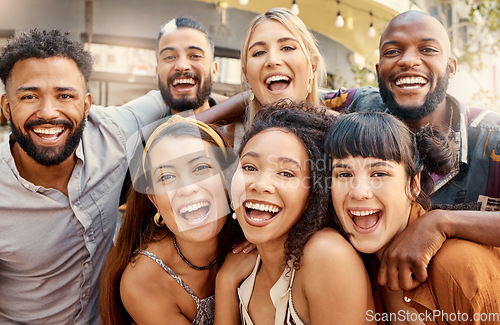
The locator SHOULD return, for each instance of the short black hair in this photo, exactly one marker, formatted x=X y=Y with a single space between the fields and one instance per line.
x=43 y=44
x=186 y=22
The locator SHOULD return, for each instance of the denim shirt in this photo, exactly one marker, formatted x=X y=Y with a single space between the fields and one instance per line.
x=53 y=246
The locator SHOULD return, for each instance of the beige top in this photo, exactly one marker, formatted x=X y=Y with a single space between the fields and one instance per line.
x=281 y=296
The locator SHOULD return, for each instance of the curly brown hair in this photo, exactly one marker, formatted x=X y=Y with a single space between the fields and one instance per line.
x=309 y=124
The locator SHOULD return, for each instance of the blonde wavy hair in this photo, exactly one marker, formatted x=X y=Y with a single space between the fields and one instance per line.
x=308 y=44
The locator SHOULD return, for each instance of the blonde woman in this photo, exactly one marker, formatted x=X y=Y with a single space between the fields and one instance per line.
x=280 y=59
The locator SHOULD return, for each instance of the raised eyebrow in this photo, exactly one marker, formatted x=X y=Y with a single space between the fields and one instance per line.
x=397 y=42
x=290 y=160
x=198 y=158
x=26 y=88
x=192 y=47
x=340 y=165
x=381 y=163
x=164 y=166
x=256 y=44
x=32 y=88
x=62 y=89
x=252 y=154
x=285 y=39
x=389 y=43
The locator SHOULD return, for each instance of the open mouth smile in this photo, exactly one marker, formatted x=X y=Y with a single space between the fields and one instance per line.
x=365 y=221
x=260 y=214
x=184 y=84
x=48 y=133
x=277 y=82
x=411 y=82
x=195 y=213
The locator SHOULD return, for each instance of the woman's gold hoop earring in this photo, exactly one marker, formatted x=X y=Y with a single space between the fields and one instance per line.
x=158 y=219
x=309 y=84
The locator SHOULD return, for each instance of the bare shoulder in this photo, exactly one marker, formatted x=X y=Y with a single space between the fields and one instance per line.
x=140 y=278
x=332 y=285
x=328 y=244
x=148 y=293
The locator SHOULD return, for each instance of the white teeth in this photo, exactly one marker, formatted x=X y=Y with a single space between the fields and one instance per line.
x=193 y=207
x=277 y=78
x=411 y=81
x=55 y=130
x=189 y=81
x=262 y=207
x=363 y=213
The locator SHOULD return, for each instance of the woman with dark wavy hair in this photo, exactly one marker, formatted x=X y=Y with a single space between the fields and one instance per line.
x=380 y=184
x=281 y=198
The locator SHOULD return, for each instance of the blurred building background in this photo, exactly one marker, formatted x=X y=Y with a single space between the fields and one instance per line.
x=121 y=34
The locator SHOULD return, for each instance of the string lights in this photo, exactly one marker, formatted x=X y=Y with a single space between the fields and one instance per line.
x=339 y=22
x=295 y=8
x=371 y=31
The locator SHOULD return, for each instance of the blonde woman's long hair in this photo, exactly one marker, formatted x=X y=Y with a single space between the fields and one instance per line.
x=308 y=44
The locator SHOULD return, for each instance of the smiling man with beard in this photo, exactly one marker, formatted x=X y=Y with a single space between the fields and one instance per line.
x=185 y=65
x=414 y=67
x=61 y=174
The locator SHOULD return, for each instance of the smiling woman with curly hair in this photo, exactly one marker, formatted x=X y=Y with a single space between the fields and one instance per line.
x=280 y=194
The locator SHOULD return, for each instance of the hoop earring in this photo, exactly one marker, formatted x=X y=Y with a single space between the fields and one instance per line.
x=309 y=84
x=158 y=219
x=233 y=215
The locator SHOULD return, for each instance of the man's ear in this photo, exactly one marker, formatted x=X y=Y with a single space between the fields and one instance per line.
x=452 y=66
x=376 y=68
x=87 y=103
x=4 y=103
x=214 y=69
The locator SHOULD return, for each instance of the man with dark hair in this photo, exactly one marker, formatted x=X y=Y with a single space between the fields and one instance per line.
x=185 y=65
x=62 y=171
x=185 y=71
x=413 y=71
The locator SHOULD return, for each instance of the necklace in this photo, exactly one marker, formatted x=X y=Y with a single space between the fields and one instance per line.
x=189 y=263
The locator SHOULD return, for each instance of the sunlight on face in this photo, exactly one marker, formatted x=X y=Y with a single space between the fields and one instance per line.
x=371 y=200
x=188 y=186
x=271 y=187
x=277 y=67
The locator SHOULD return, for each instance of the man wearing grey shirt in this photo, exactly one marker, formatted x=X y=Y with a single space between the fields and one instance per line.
x=61 y=175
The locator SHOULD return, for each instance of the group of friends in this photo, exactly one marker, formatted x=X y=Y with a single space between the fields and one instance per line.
x=331 y=207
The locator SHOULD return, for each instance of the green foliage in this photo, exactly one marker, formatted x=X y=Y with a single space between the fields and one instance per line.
x=476 y=34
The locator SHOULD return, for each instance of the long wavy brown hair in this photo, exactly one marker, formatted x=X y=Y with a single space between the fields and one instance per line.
x=138 y=230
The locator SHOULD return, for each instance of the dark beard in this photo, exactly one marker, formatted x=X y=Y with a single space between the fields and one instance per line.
x=49 y=156
x=415 y=113
x=185 y=104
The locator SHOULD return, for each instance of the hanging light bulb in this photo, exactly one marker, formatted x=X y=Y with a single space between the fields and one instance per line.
x=339 y=22
x=295 y=8
x=372 y=32
x=243 y=2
